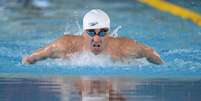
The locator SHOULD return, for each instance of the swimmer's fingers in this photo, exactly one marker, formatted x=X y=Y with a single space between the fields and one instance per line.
x=40 y=54
x=155 y=60
x=27 y=60
x=154 y=57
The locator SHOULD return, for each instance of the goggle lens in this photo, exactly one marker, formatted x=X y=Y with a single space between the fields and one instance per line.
x=92 y=32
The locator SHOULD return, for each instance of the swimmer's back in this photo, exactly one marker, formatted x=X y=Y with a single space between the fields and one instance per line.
x=69 y=38
x=68 y=44
x=123 y=47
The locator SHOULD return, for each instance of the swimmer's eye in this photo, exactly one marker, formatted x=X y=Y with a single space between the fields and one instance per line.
x=102 y=34
x=91 y=33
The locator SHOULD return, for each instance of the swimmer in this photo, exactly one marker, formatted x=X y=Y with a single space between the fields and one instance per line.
x=95 y=38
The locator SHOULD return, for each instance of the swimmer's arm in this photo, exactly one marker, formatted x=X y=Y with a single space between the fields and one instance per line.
x=151 y=55
x=39 y=54
x=134 y=49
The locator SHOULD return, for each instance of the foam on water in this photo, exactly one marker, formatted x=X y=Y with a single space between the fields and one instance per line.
x=177 y=51
x=85 y=59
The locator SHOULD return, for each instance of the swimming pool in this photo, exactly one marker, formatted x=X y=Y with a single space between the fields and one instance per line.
x=25 y=29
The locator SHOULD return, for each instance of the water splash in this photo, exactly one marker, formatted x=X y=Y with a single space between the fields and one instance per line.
x=115 y=32
x=88 y=59
x=73 y=27
x=82 y=59
x=79 y=28
x=41 y=3
x=181 y=51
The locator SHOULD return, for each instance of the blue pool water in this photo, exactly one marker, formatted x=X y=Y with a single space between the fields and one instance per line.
x=24 y=29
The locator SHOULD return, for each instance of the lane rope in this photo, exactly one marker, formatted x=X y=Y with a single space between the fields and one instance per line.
x=174 y=9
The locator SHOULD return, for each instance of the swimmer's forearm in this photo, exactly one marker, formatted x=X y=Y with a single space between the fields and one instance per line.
x=155 y=60
x=153 y=57
x=38 y=55
x=33 y=58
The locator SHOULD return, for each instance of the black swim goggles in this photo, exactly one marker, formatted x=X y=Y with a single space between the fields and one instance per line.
x=92 y=33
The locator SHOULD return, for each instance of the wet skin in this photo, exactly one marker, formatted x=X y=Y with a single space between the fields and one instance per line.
x=119 y=48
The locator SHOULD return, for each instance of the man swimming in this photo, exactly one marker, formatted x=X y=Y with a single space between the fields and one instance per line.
x=95 y=38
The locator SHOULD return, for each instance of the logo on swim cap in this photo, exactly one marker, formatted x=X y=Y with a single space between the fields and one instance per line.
x=93 y=23
x=96 y=18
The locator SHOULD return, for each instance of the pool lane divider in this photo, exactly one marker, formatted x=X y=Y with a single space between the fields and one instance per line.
x=174 y=9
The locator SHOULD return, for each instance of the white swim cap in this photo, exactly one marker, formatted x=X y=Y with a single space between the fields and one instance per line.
x=96 y=18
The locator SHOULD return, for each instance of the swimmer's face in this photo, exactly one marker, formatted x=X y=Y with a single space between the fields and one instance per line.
x=95 y=39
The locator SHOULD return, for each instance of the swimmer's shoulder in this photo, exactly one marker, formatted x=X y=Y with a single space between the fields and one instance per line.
x=123 y=40
x=69 y=38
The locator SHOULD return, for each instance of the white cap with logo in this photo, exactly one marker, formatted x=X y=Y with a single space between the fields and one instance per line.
x=96 y=18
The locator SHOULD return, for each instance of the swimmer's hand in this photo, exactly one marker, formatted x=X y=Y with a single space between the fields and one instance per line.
x=27 y=60
x=153 y=57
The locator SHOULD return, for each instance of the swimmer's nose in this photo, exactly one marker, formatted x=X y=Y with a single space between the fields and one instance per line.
x=96 y=38
x=96 y=45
